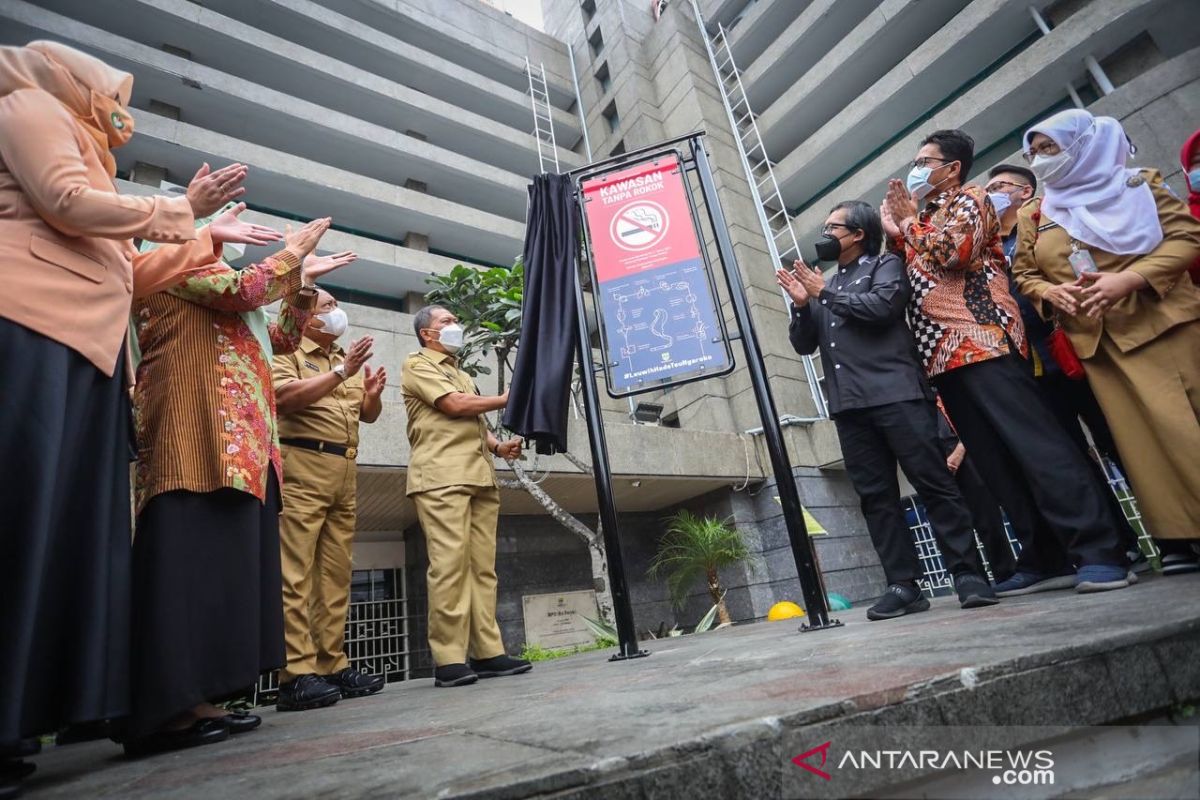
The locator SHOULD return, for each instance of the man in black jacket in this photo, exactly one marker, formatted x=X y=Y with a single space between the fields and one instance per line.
x=881 y=404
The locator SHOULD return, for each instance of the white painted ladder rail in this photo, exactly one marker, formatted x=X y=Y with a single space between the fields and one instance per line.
x=772 y=211
x=543 y=122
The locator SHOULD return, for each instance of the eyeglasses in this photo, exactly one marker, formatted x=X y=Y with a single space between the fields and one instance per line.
x=921 y=163
x=829 y=226
x=998 y=185
x=1047 y=148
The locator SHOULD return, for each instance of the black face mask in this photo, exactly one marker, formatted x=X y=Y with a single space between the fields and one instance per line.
x=829 y=247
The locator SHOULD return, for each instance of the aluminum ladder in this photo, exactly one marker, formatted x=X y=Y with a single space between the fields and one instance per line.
x=543 y=123
x=772 y=211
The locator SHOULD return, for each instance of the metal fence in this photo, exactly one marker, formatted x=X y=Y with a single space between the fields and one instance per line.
x=377 y=630
x=937 y=578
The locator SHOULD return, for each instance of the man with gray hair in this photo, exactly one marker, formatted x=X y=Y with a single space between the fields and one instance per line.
x=452 y=482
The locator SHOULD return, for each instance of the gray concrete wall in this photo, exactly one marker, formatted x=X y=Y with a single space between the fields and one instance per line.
x=536 y=556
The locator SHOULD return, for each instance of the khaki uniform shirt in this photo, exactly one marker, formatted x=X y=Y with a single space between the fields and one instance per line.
x=333 y=418
x=446 y=451
x=1171 y=299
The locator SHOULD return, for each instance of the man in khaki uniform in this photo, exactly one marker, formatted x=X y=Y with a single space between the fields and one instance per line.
x=452 y=481
x=321 y=392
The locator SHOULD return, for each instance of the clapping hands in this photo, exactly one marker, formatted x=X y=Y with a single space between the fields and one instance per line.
x=316 y=266
x=227 y=228
x=209 y=191
x=898 y=207
x=801 y=282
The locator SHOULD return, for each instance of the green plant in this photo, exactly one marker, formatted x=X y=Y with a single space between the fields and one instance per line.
x=696 y=547
x=535 y=652
x=703 y=626
x=603 y=631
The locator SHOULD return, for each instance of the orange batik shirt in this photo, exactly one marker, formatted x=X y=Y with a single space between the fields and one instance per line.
x=960 y=310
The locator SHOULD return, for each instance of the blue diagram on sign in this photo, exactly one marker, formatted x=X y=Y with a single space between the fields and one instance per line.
x=661 y=324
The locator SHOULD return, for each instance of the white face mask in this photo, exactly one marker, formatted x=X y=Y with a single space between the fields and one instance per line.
x=918 y=182
x=334 y=322
x=1001 y=202
x=451 y=337
x=1049 y=169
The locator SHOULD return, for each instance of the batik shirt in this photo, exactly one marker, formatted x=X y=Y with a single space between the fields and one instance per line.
x=960 y=310
x=204 y=403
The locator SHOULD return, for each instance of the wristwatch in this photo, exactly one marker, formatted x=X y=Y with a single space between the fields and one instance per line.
x=340 y=371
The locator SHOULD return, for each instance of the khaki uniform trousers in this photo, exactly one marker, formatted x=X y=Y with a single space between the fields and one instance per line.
x=316 y=535
x=1151 y=399
x=460 y=536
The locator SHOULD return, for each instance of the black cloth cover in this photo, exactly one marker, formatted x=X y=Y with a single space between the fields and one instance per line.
x=541 y=381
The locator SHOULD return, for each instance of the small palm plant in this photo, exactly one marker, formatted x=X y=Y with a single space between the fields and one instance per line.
x=695 y=547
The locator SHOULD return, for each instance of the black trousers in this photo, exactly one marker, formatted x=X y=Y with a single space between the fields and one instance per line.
x=1031 y=465
x=1073 y=402
x=873 y=441
x=985 y=513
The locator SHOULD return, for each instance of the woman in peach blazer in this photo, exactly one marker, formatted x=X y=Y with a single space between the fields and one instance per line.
x=68 y=273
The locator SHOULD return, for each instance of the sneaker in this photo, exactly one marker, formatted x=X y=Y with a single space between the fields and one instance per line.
x=974 y=591
x=353 y=683
x=897 y=601
x=1101 y=578
x=1033 y=582
x=307 y=692
x=500 y=666
x=454 y=675
x=1179 y=563
x=1138 y=562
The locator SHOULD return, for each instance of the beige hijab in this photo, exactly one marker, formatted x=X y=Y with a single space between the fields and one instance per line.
x=95 y=93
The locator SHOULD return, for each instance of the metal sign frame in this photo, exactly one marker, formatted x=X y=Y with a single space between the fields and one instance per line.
x=723 y=340
x=812 y=584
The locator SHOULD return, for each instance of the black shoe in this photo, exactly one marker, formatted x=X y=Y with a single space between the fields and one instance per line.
x=200 y=732
x=1179 y=563
x=974 y=591
x=240 y=721
x=897 y=601
x=353 y=683
x=454 y=675
x=307 y=692
x=499 y=666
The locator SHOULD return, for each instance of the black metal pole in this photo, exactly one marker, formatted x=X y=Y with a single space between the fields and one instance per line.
x=811 y=584
x=626 y=632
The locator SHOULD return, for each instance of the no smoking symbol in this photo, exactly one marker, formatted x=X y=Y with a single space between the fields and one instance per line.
x=639 y=226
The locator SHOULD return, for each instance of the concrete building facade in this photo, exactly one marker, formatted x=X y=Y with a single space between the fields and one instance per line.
x=409 y=122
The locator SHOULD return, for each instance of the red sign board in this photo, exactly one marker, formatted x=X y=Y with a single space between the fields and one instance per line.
x=660 y=320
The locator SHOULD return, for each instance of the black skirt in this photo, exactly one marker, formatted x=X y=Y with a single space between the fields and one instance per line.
x=64 y=537
x=207 y=600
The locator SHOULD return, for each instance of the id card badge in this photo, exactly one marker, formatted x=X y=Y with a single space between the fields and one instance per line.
x=1081 y=261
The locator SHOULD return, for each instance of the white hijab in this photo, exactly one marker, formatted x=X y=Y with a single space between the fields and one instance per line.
x=1097 y=200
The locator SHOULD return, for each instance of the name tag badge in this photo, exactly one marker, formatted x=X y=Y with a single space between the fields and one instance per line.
x=1081 y=261
x=312 y=366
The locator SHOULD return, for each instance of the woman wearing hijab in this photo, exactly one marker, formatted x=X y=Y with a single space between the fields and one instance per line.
x=69 y=271
x=207 y=614
x=1189 y=157
x=1106 y=253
